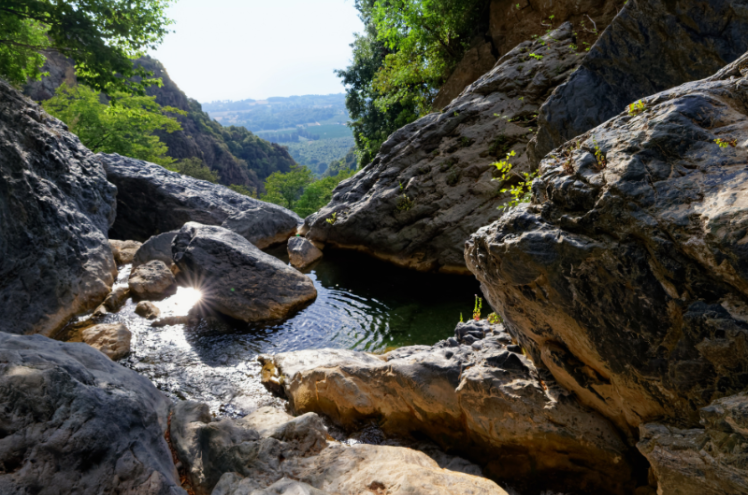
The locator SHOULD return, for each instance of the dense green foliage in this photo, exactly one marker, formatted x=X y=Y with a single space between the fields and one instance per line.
x=319 y=193
x=126 y=128
x=102 y=36
x=407 y=51
x=318 y=154
x=298 y=191
x=194 y=167
x=348 y=162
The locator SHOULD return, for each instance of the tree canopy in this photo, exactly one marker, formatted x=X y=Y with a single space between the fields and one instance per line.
x=126 y=128
x=285 y=189
x=102 y=36
x=406 y=53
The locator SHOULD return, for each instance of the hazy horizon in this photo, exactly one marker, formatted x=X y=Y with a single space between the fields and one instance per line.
x=342 y=93
x=239 y=50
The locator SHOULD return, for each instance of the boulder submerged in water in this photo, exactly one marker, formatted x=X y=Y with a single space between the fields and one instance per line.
x=302 y=252
x=236 y=278
x=56 y=208
x=152 y=200
x=484 y=400
x=73 y=421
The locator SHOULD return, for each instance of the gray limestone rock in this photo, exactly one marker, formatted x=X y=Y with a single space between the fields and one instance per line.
x=152 y=281
x=56 y=207
x=153 y=200
x=73 y=421
x=236 y=278
x=302 y=252
x=484 y=402
x=628 y=277
x=649 y=47
x=712 y=460
x=430 y=185
x=157 y=247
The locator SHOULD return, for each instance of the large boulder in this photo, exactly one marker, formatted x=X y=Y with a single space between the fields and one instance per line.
x=627 y=275
x=153 y=200
x=156 y=248
x=430 y=185
x=263 y=452
x=72 y=421
x=236 y=278
x=702 y=461
x=485 y=401
x=649 y=47
x=56 y=207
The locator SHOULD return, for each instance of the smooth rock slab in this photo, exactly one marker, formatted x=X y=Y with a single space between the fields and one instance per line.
x=111 y=339
x=148 y=310
x=56 y=207
x=152 y=200
x=482 y=401
x=124 y=251
x=236 y=278
x=302 y=252
x=630 y=281
x=73 y=421
x=153 y=281
x=708 y=461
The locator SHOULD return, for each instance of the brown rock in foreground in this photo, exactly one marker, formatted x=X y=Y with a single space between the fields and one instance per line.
x=485 y=401
x=111 y=339
x=628 y=278
x=153 y=281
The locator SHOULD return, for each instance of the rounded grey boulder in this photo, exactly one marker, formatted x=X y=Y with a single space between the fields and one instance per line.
x=302 y=252
x=236 y=278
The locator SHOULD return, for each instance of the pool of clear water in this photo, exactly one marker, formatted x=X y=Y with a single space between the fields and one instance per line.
x=362 y=304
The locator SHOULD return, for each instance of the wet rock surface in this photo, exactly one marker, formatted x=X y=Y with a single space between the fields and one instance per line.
x=236 y=278
x=268 y=449
x=430 y=185
x=628 y=278
x=302 y=252
x=649 y=47
x=152 y=281
x=56 y=207
x=706 y=461
x=113 y=340
x=152 y=200
x=485 y=401
x=75 y=422
x=147 y=309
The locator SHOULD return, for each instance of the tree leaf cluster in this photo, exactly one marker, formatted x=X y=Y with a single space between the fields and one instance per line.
x=297 y=189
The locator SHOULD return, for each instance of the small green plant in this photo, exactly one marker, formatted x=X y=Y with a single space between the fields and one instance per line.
x=478 y=307
x=333 y=218
x=493 y=319
x=723 y=143
x=573 y=47
x=536 y=56
x=517 y=6
x=522 y=192
x=453 y=177
x=602 y=160
x=456 y=114
x=465 y=142
x=461 y=320
x=404 y=203
x=636 y=108
x=521 y=98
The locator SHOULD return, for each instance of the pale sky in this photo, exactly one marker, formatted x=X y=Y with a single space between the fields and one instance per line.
x=240 y=49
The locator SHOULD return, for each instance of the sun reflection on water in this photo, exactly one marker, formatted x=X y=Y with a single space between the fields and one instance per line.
x=182 y=302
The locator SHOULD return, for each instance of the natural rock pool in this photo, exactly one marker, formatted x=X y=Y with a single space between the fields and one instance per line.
x=362 y=304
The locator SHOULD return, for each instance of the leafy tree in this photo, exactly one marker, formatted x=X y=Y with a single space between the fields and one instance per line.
x=286 y=189
x=319 y=193
x=126 y=128
x=406 y=53
x=194 y=167
x=102 y=36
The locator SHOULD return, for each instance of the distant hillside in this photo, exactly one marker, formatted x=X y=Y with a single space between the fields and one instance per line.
x=313 y=127
x=239 y=156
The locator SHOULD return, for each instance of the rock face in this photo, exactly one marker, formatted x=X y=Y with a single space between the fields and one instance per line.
x=651 y=46
x=430 y=185
x=75 y=422
x=124 y=251
x=56 y=207
x=485 y=401
x=157 y=247
x=152 y=200
x=302 y=252
x=477 y=61
x=153 y=281
x=113 y=340
x=709 y=461
x=259 y=453
x=628 y=277
x=236 y=278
